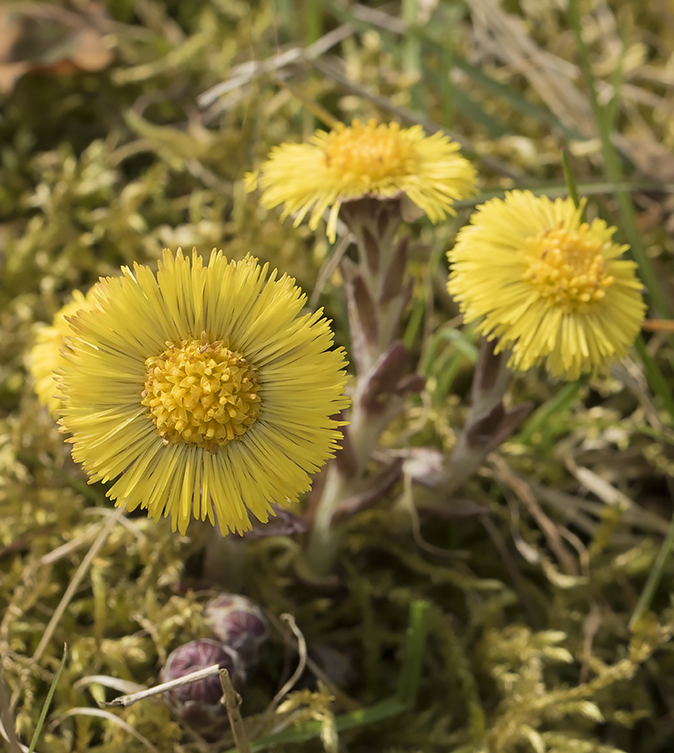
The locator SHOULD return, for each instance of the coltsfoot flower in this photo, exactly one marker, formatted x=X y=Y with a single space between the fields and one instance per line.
x=202 y=390
x=46 y=358
x=551 y=287
x=356 y=161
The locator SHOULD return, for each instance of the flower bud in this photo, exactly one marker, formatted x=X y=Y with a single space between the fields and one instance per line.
x=198 y=703
x=239 y=624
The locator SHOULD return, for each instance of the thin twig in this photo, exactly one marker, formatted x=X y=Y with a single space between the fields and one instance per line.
x=246 y=72
x=518 y=581
x=290 y=684
x=200 y=674
x=407 y=498
x=232 y=702
x=302 y=651
x=526 y=496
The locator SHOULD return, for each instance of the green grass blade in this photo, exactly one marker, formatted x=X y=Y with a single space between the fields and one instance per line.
x=415 y=323
x=47 y=703
x=553 y=190
x=411 y=47
x=568 y=177
x=614 y=170
x=437 y=40
x=311 y=730
x=408 y=682
x=655 y=377
x=447 y=90
x=475 y=113
x=659 y=385
x=313 y=21
x=460 y=343
x=559 y=405
x=611 y=112
x=654 y=577
x=518 y=102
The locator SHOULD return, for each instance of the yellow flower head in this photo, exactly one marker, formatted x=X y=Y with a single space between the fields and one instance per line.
x=202 y=390
x=351 y=162
x=46 y=357
x=550 y=286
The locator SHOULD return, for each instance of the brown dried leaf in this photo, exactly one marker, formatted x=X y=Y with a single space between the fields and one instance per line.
x=47 y=39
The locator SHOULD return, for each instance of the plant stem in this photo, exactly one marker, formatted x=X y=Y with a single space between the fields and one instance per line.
x=325 y=537
x=377 y=292
x=324 y=540
x=490 y=382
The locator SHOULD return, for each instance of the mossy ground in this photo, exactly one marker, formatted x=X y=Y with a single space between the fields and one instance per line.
x=529 y=646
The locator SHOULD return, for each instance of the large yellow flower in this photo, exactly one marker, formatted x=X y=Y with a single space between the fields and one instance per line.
x=202 y=390
x=348 y=163
x=553 y=288
x=45 y=357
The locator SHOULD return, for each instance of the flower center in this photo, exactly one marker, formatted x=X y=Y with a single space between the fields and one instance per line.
x=201 y=393
x=369 y=151
x=567 y=266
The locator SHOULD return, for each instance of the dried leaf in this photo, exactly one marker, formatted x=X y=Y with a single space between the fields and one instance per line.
x=46 y=39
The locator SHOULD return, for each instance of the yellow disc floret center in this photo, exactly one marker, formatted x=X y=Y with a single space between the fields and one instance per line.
x=567 y=266
x=372 y=152
x=201 y=393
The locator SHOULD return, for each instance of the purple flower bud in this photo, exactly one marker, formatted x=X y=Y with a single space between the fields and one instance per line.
x=239 y=624
x=198 y=703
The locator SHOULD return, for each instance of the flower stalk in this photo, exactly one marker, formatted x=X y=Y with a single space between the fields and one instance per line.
x=377 y=291
x=488 y=423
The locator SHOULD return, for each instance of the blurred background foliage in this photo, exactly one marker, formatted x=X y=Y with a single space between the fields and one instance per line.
x=126 y=126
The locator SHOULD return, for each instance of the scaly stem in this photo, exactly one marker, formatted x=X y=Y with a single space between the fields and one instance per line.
x=324 y=540
x=490 y=383
x=341 y=483
x=376 y=295
x=488 y=423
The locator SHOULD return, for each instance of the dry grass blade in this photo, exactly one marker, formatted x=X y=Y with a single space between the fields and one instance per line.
x=502 y=34
x=102 y=714
x=301 y=664
x=75 y=582
x=141 y=695
x=114 y=683
x=525 y=494
x=574 y=509
x=268 y=714
x=244 y=73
